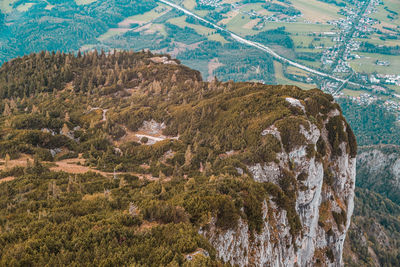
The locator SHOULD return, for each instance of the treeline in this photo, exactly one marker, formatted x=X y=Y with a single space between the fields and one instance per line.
x=309 y=56
x=276 y=36
x=339 y=4
x=385 y=50
x=287 y=10
x=228 y=55
x=372 y=124
x=184 y=35
x=48 y=72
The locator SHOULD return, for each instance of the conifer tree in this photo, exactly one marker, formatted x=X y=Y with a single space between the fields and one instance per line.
x=188 y=156
x=65 y=130
x=7 y=160
x=7 y=110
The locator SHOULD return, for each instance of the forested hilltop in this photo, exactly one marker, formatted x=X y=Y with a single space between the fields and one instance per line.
x=130 y=158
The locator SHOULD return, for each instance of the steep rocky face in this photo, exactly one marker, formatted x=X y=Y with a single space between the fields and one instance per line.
x=374 y=237
x=379 y=170
x=324 y=200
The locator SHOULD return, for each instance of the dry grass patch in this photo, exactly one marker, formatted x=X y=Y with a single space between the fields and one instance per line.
x=230 y=15
x=249 y=25
x=89 y=197
x=7 y=179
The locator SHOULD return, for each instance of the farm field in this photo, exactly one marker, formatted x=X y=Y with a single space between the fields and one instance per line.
x=137 y=19
x=237 y=25
x=367 y=63
x=84 y=2
x=200 y=29
x=189 y=4
x=383 y=13
x=152 y=14
x=281 y=79
x=354 y=93
x=303 y=28
x=317 y=11
x=6 y=5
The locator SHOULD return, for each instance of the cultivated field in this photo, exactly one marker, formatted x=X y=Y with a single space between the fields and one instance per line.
x=316 y=11
x=367 y=63
x=84 y=2
x=281 y=79
x=6 y=5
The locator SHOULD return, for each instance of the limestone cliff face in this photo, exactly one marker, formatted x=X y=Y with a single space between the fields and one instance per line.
x=379 y=170
x=323 y=192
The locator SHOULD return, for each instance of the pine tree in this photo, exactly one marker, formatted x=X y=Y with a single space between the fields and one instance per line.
x=13 y=105
x=188 y=156
x=7 y=160
x=35 y=109
x=67 y=118
x=65 y=130
x=7 y=110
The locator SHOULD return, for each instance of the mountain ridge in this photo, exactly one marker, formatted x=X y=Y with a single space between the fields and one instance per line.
x=269 y=168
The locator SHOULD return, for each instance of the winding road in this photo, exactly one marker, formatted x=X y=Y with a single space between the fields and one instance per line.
x=259 y=46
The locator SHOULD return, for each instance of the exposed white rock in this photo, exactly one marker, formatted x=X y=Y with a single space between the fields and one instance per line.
x=376 y=161
x=151 y=139
x=163 y=60
x=396 y=171
x=275 y=246
x=296 y=103
x=333 y=113
x=265 y=173
x=312 y=135
x=152 y=127
x=273 y=131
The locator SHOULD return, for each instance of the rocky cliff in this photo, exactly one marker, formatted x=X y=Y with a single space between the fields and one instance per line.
x=323 y=188
x=379 y=170
x=374 y=234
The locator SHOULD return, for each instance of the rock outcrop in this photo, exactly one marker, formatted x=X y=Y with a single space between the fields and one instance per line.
x=379 y=170
x=323 y=173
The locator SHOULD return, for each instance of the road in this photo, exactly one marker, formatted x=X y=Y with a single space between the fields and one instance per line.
x=259 y=46
x=350 y=35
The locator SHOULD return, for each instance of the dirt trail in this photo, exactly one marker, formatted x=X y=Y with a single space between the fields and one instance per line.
x=72 y=166
x=104 y=110
x=22 y=161
x=68 y=166
x=7 y=179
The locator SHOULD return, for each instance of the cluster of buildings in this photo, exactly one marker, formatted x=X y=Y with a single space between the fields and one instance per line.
x=356 y=24
x=214 y=3
x=278 y=17
x=368 y=99
x=363 y=99
x=275 y=17
x=391 y=79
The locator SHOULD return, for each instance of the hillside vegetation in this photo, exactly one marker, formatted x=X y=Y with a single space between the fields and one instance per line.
x=165 y=153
